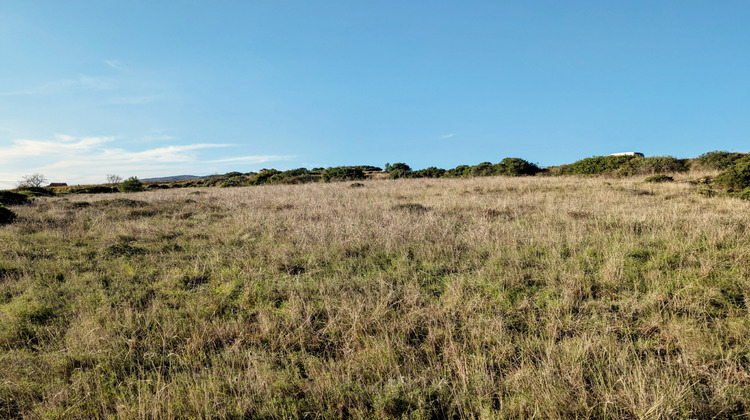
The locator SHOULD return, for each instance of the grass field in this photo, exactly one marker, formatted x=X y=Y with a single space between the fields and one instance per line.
x=484 y=297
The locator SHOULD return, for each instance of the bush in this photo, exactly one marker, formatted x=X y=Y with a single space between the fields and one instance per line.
x=624 y=165
x=369 y=168
x=596 y=165
x=235 y=181
x=431 y=172
x=744 y=194
x=264 y=176
x=517 y=167
x=483 y=169
x=132 y=184
x=6 y=216
x=398 y=173
x=655 y=165
x=292 y=176
x=343 y=173
x=659 y=178
x=736 y=177
x=718 y=160
x=458 y=171
x=398 y=166
x=10 y=198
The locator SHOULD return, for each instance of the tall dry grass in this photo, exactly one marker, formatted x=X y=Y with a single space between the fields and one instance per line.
x=485 y=297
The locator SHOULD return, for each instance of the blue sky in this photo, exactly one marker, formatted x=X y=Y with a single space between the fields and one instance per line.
x=154 y=88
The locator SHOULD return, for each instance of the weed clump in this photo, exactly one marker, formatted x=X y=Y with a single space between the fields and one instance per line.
x=356 y=185
x=192 y=282
x=659 y=178
x=123 y=249
x=121 y=202
x=410 y=208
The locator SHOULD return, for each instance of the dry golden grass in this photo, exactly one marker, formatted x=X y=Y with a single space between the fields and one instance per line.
x=485 y=297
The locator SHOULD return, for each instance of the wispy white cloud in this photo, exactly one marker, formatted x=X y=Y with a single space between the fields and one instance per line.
x=58 y=86
x=447 y=136
x=114 y=64
x=66 y=145
x=81 y=160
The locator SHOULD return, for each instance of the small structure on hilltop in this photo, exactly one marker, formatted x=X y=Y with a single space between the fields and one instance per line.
x=58 y=184
x=639 y=154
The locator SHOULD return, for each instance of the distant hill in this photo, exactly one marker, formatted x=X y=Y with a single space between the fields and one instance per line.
x=173 y=178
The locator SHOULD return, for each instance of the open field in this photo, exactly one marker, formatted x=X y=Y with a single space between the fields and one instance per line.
x=426 y=298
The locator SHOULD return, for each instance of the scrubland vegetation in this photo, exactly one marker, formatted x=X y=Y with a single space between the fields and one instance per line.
x=493 y=297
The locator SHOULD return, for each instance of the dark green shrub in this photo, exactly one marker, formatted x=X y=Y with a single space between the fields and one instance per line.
x=158 y=187
x=212 y=181
x=458 y=171
x=235 y=181
x=718 y=160
x=431 y=172
x=10 y=198
x=744 y=194
x=596 y=165
x=343 y=173
x=132 y=184
x=6 y=216
x=659 y=178
x=293 y=176
x=655 y=165
x=483 y=169
x=369 y=168
x=357 y=185
x=736 y=177
x=398 y=166
x=264 y=176
x=400 y=173
x=517 y=167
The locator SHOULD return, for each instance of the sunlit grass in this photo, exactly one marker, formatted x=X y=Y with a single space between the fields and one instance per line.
x=485 y=297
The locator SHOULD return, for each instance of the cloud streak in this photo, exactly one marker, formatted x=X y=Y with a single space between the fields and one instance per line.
x=447 y=136
x=82 y=82
x=114 y=64
x=87 y=159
